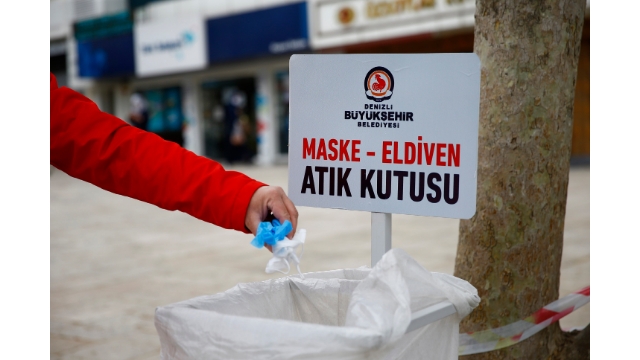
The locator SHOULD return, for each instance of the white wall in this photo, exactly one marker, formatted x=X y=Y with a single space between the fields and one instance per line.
x=207 y=8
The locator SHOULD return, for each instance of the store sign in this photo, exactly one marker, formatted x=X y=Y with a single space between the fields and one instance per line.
x=106 y=57
x=336 y=23
x=170 y=47
x=277 y=30
x=385 y=133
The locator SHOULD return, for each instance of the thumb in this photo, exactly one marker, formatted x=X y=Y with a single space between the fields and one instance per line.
x=252 y=222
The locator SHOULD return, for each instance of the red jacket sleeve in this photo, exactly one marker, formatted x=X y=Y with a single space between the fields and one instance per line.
x=103 y=150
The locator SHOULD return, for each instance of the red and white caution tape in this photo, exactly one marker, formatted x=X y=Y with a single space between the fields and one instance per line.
x=494 y=339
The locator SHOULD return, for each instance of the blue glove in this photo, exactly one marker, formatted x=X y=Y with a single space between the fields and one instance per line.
x=271 y=232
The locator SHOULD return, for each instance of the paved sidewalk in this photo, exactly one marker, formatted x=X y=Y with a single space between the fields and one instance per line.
x=114 y=259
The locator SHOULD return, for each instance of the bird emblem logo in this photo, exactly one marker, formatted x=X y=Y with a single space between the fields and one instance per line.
x=346 y=15
x=378 y=84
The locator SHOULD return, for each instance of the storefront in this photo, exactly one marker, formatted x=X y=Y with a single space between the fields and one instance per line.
x=223 y=79
x=388 y=25
x=245 y=115
x=424 y=26
x=232 y=76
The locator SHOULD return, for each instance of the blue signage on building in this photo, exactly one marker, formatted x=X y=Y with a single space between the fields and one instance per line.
x=276 y=30
x=106 y=57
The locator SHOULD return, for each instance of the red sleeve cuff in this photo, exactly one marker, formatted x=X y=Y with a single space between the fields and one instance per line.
x=241 y=203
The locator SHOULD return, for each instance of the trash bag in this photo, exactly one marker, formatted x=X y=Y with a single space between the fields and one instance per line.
x=341 y=314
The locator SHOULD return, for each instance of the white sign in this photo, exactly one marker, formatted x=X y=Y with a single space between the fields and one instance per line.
x=336 y=23
x=385 y=133
x=170 y=46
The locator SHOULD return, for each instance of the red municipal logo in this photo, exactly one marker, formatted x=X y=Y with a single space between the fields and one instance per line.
x=378 y=84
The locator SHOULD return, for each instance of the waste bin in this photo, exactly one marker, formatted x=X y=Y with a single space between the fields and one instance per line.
x=341 y=314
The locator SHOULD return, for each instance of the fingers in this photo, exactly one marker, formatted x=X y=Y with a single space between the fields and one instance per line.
x=280 y=211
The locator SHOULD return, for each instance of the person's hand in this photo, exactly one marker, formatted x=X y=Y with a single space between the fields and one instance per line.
x=267 y=200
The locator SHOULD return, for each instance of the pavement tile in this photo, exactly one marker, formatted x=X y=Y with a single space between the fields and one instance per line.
x=115 y=259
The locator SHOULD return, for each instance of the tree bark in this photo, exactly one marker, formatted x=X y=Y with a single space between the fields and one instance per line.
x=512 y=248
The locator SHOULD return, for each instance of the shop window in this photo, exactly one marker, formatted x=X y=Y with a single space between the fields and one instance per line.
x=229 y=114
x=159 y=111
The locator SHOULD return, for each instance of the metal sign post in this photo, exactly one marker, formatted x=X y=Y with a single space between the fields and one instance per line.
x=380 y=236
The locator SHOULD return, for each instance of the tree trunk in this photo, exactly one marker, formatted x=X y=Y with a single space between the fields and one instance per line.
x=512 y=248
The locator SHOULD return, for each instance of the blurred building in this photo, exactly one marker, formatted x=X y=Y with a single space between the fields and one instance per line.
x=214 y=73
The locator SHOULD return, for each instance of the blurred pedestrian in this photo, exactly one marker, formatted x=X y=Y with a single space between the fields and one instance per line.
x=239 y=137
x=174 y=124
x=236 y=128
x=139 y=114
x=101 y=149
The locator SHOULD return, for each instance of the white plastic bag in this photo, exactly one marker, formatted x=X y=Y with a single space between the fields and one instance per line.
x=342 y=314
x=286 y=254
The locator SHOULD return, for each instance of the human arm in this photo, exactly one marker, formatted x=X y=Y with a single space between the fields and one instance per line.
x=101 y=149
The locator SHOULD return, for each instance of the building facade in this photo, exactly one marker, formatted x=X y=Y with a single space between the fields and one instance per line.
x=213 y=75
